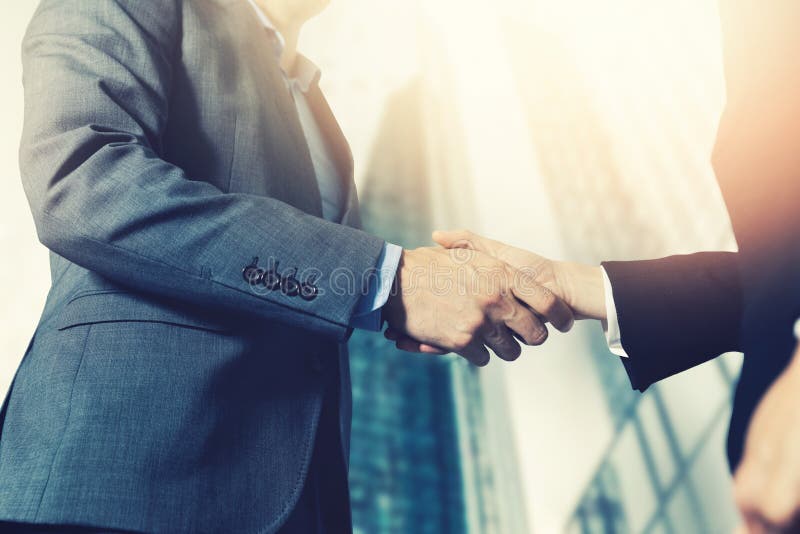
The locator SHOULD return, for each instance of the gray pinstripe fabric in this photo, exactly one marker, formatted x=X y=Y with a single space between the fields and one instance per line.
x=160 y=153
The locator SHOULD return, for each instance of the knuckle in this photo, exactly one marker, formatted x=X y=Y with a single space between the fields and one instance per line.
x=494 y=336
x=461 y=342
x=512 y=313
x=548 y=300
x=474 y=323
x=493 y=300
x=484 y=296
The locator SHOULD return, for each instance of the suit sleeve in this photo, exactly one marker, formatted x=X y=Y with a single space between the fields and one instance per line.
x=675 y=313
x=97 y=81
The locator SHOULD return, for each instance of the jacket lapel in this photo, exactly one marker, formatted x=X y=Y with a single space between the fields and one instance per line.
x=291 y=172
x=293 y=179
x=341 y=152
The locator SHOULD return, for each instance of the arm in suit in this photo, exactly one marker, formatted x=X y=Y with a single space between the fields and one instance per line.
x=676 y=312
x=97 y=88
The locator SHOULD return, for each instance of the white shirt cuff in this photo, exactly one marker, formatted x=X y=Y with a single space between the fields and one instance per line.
x=611 y=324
x=367 y=315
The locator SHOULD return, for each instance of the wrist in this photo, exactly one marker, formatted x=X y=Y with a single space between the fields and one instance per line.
x=583 y=289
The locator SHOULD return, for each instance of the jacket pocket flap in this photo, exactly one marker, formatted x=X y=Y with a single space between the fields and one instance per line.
x=110 y=307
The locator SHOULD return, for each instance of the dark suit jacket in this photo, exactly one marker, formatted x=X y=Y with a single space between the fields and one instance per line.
x=678 y=312
x=163 y=391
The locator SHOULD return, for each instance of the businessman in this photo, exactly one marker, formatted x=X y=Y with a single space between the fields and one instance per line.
x=189 y=371
x=668 y=315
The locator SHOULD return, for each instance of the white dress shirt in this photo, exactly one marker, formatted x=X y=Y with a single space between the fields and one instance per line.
x=305 y=75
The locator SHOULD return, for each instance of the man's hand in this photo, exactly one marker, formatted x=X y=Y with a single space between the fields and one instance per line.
x=767 y=482
x=464 y=301
x=579 y=286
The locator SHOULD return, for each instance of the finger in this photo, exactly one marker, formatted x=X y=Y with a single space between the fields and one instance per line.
x=756 y=526
x=543 y=301
x=459 y=239
x=778 y=509
x=749 y=486
x=749 y=483
x=752 y=525
x=408 y=344
x=501 y=340
x=432 y=350
x=744 y=481
x=476 y=354
x=743 y=528
x=412 y=345
x=524 y=323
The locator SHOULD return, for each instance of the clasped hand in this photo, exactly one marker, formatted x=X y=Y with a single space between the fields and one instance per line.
x=467 y=297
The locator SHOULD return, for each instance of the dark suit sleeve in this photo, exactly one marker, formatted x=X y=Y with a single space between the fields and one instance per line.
x=676 y=312
x=97 y=77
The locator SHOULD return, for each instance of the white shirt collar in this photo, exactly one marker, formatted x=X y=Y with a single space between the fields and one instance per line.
x=306 y=73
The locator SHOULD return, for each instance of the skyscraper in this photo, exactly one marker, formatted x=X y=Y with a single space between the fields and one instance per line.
x=420 y=458
x=405 y=468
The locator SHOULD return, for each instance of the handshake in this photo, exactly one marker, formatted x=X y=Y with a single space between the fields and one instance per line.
x=475 y=294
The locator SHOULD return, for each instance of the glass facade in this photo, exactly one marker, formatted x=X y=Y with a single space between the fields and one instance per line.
x=404 y=464
x=421 y=443
x=666 y=469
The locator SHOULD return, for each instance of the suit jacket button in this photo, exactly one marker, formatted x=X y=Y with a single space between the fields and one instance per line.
x=308 y=292
x=271 y=280
x=252 y=274
x=290 y=286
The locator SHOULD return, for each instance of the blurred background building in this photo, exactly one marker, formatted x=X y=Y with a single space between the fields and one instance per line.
x=575 y=128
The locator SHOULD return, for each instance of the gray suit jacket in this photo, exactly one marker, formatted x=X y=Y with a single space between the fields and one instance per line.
x=162 y=391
